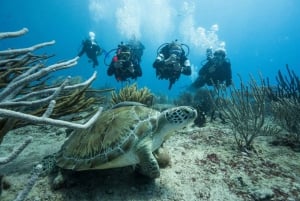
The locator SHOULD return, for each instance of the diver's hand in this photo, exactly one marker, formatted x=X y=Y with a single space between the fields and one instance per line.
x=177 y=67
x=172 y=59
x=131 y=69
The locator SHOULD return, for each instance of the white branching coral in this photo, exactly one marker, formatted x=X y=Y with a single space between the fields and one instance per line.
x=11 y=99
x=21 y=89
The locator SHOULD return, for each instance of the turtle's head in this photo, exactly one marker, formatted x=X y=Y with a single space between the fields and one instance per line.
x=175 y=118
x=171 y=120
x=180 y=116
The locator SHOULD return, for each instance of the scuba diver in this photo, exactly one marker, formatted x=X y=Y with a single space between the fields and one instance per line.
x=215 y=71
x=171 y=62
x=91 y=48
x=126 y=63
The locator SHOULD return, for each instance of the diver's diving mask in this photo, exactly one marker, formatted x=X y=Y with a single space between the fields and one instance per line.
x=124 y=56
x=176 y=52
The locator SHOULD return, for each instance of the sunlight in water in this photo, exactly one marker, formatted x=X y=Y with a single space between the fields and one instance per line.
x=198 y=36
x=98 y=9
x=129 y=19
x=159 y=19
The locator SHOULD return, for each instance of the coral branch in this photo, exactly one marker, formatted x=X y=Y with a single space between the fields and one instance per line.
x=14 y=103
x=15 y=86
x=83 y=84
x=48 y=121
x=26 y=96
x=16 y=152
x=13 y=34
x=51 y=90
x=50 y=109
x=285 y=103
x=34 y=177
x=245 y=110
x=26 y=50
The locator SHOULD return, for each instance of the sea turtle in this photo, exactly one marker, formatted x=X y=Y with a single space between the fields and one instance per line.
x=127 y=134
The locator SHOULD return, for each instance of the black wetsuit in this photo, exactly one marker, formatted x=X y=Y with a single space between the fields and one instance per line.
x=92 y=50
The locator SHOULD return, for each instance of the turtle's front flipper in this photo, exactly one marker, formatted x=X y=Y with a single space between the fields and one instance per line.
x=148 y=165
x=58 y=181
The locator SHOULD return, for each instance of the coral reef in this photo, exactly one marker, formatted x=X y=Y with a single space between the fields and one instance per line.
x=244 y=108
x=285 y=107
x=132 y=93
x=16 y=152
x=26 y=96
x=34 y=177
x=25 y=93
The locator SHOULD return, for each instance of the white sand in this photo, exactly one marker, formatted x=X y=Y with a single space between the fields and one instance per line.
x=204 y=166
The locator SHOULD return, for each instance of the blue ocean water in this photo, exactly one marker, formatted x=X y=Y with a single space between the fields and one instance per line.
x=259 y=36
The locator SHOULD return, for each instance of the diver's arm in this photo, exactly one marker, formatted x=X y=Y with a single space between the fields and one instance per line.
x=204 y=69
x=198 y=83
x=159 y=61
x=81 y=52
x=186 y=70
x=98 y=50
x=83 y=49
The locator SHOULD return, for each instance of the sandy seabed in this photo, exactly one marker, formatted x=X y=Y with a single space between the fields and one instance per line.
x=205 y=165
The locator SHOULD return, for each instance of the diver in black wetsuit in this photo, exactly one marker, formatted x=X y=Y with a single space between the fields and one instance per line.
x=216 y=70
x=171 y=62
x=126 y=63
x=91 y=48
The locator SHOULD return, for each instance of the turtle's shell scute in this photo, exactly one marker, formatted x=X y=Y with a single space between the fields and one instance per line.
x=113 y=135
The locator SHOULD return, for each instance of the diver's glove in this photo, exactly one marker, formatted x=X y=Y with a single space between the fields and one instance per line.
x=98 y=53
x=160 y=58
x=131 y=68
x=177 y=67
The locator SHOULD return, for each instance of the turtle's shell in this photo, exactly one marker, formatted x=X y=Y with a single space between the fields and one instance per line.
x=110 y=141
